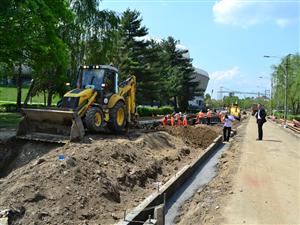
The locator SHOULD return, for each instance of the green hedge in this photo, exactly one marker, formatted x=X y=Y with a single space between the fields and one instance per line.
x=154 y=111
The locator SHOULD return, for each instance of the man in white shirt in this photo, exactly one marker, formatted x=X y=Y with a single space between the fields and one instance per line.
x=227 y=126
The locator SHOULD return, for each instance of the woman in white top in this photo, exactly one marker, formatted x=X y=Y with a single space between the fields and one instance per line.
x=227 y=126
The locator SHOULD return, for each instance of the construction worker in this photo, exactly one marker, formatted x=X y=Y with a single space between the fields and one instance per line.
x=184 y=122
x=219 y=114
x=222 y=118
x=165 y=120
x=208 y=116
x=172 y=120
x=200 y=117
x=178 y=119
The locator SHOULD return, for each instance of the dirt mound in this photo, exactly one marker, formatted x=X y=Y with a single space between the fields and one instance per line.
x=200 y=136
x=93 y=183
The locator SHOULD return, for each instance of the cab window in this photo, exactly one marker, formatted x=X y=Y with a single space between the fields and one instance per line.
x=109 y=81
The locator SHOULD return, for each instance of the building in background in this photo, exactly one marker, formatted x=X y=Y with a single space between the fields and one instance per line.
x=202 y=77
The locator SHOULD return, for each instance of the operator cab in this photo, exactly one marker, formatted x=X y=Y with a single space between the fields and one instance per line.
x=102 y=78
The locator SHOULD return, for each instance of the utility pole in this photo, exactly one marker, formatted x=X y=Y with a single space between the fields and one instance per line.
x=285 y=89
x=285 y=69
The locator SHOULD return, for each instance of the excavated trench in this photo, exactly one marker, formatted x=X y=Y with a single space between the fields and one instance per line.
x=17 y=153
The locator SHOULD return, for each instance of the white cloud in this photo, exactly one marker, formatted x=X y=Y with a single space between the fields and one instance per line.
x=226 y=75
x=283 y=22
x=249 y=13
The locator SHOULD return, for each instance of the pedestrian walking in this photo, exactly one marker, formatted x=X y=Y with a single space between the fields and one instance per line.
x=260 y=120
x=227 y=126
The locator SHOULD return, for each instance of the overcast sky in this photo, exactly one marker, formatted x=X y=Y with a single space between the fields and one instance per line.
x=226 y=38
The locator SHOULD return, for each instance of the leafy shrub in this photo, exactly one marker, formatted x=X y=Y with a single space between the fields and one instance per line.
x=145 y=111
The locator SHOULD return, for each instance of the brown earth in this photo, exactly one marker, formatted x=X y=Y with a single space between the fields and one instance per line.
x=98 y=179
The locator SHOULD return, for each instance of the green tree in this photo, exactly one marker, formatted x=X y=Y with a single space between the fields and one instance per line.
x=135 y=55
x=291 y=65
x=179 y=75
x=30 y=34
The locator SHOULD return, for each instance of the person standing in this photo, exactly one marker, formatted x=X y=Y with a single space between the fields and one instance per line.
x=227 y=126
x=208 y=116
x=200 y=117
x=260 y=120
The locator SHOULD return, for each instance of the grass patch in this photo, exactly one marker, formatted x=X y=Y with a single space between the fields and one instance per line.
x=9 y=94
x=9 y=119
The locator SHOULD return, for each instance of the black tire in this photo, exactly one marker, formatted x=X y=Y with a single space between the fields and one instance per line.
x=114 y=125
x=91 y=119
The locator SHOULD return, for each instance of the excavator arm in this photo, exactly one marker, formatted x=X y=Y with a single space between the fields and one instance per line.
x=127 y=90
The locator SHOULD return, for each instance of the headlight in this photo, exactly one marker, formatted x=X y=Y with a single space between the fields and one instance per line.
x=105 y=100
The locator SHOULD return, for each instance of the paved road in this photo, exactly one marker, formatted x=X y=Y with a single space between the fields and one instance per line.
x=267 y=185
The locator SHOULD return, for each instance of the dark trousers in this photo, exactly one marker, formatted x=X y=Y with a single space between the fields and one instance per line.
x=226 y=133
x=208 y=120
x=260 y=130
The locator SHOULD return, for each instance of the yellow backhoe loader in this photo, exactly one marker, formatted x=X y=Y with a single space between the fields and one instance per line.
x=235 y=111
x=98 y=102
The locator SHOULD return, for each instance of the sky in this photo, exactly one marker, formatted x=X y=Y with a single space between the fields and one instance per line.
x=226 y=38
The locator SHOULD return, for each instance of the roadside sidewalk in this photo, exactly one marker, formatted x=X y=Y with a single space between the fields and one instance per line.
x=266 y=187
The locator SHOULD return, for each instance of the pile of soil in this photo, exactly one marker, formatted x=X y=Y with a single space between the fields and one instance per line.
x=195 y=136
x=93 y=183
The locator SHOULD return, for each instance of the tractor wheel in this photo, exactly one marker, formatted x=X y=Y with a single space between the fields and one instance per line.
x=118 y=118
x=94 y=119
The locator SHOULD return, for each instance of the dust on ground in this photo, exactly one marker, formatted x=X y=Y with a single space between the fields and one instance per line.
x=204 y=206
x=95 y=181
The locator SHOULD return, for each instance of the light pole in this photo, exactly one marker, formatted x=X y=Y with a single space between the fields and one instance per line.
x=268 y=92
x=285 y=69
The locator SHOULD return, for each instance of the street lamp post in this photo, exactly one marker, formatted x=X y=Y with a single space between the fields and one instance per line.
x=285 y=69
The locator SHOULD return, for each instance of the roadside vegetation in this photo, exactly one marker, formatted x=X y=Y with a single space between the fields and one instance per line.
x=53 y=37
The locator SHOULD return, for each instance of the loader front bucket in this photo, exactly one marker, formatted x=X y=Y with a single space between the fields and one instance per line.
x=50 y=125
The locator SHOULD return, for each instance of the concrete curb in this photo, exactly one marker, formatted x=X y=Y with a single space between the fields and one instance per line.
x=141 y=212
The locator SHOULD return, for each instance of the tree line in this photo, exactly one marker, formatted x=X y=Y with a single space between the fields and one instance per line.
x=54 y=37
x=290 y=67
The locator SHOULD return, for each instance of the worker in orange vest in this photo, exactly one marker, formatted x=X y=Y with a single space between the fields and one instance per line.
x=184 y=122
x=219 y=115
x=172 y=120
x=209 y=115
x=200 y=117
x=222 y=118
x=165 y=120
x=178 y=119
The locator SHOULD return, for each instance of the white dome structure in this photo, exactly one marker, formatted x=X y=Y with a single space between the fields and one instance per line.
x=202 y=77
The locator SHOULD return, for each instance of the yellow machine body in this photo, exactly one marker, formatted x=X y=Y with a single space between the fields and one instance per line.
x=235 y=110
x=68 y=122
